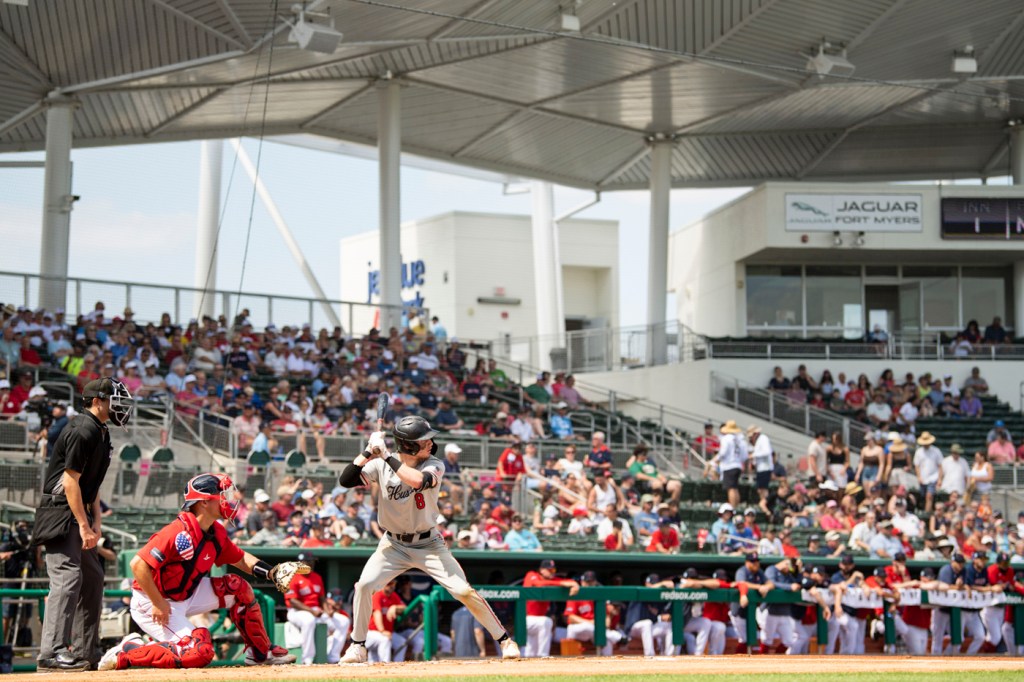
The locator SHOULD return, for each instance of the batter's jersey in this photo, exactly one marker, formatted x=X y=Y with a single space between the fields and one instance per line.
x=401 y=509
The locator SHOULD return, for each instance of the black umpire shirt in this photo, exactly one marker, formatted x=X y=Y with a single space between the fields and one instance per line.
x=83 y=446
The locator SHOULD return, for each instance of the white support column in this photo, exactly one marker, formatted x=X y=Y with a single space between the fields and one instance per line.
x=286 y=235
x=1017 y=169
x=657 y=267
x=389 y=145
x=57 y=203
x=545 y=276
x=211 y=154
x=1017 y=154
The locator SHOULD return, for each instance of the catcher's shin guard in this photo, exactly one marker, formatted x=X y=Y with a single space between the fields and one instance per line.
x=195 y=651
x=245 y=613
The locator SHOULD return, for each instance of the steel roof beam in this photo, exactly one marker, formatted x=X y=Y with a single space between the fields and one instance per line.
x=189 y=19
x=327 y=111
x=23 y=60
x=184 y=112
x=229 y=13
x=23 y=116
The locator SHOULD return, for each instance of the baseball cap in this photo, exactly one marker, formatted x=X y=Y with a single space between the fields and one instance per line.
x=4 y=383
x=589 y=576
x=1000 y=423
x=452 y=447
x=752 y=556
x=980 y=554
x=832 y=535
x=749 y=511
x=725 y=507
x=189 y=378
x=831 y=504
x=1002 y=558
x=814 y=538
x=879 y=571
x=36 y=391
x=899 y=556
x=720 y=574
x=261 y=495
x=958 y=558
x=546 y=563
x=351 y=532
x=652 y=578
x=304 y=556
x=819 y=570
x=928 y=573
x=308 y=494
x=646 y=497
x=691 y=573
x=846 y=559
x=987 y=540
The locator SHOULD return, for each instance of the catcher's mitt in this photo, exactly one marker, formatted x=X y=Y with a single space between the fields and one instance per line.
x=284 y=573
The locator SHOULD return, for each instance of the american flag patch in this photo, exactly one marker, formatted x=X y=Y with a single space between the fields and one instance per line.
x=183 y=543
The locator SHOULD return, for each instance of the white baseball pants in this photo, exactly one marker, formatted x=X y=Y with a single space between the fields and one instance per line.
x=338 y=626
x=203 y=600
x=740 y=625
x=306 y=623
x=914 y=637
x=716 y=640
x=842 y=628
x=781 y=627
x=1008 y=634
x=433 y=557
x=444 y=643
x=970 y=624
x=644 y=629
x=804 y=632
x=993 y=617
x=538 y=636
x=380 y=647
x=584 y=632
x=699 y=630
x=661 y=631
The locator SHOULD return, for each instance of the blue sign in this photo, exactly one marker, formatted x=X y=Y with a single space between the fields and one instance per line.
x=412 y=276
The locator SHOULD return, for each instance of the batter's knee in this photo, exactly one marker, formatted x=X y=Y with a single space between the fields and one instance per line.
x=464 y=592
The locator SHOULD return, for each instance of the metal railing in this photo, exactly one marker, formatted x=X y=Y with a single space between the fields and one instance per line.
x=150 y=301
x=776 y=408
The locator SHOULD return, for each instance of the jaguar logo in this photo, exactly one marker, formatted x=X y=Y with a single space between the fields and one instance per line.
x=801 y=206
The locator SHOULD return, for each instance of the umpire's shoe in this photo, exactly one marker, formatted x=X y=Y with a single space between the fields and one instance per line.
x=62 y=662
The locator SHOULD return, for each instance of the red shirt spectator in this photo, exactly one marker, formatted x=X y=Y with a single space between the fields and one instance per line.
x=283 y=508
x=20 y=391
x=29 y=356
x=383 y=602
x=8 y=406
x=664 y=540
x=855 y=398
x=304 y=590
x=511 y=464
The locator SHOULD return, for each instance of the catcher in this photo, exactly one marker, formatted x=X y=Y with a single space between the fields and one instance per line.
x=171 y=584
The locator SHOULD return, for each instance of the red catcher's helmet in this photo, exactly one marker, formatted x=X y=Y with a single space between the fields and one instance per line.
x=213 y=487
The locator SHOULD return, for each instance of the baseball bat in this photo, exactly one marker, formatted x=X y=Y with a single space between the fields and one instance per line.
x=382 y=409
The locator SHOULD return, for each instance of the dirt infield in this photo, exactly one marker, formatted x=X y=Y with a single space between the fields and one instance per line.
x=614 y=665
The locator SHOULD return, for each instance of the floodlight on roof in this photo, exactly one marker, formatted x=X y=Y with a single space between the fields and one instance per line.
x=825 y=60
x=315 y=37
x=964 y=61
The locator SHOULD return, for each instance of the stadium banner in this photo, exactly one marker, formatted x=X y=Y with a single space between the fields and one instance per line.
x=977 y=218
x=854 y=213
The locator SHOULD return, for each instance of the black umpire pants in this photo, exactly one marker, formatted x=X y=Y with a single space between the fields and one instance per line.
x=75 y=601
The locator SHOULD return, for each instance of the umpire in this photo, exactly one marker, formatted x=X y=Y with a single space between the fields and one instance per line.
x=68 y=526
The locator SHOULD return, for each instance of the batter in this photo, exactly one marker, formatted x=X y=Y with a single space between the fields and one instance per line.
x=407 y=511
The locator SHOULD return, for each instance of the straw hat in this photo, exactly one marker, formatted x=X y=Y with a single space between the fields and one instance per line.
x=925 y=439
x=899 y=446
x=730 y=427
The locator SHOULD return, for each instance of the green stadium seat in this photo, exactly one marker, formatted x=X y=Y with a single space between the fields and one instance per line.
x=163 y=454
x=129 y=452
x=295 y=459
x=259 y=459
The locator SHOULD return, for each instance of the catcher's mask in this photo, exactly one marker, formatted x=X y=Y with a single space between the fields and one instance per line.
x=410 y=432
x=121 y=402
x=213 y=487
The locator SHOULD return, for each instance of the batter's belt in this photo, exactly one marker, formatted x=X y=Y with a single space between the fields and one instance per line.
x=410 y=537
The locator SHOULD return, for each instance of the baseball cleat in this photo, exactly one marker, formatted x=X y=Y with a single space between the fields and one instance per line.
x=276 y=656
x=356 y=654
x=109 y=660
x=509 y=649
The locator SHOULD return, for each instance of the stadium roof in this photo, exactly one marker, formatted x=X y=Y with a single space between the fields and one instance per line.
x=496 y=85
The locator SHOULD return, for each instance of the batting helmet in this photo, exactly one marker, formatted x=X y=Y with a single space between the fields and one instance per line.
x=212 y=487
x=409 y=430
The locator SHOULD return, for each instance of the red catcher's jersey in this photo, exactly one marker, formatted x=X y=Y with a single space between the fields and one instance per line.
x=181 y=555
x=382 y=603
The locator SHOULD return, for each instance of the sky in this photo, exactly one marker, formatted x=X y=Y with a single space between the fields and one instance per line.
x=136 y=219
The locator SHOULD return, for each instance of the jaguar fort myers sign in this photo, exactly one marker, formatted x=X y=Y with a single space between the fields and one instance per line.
x=853 y=213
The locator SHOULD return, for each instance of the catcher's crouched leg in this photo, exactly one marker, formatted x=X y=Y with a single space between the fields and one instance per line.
x=194 y=651
x=244 y=612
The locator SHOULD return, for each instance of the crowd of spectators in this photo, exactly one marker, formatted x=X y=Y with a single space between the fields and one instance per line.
x=321 y=384
x=888 y=403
